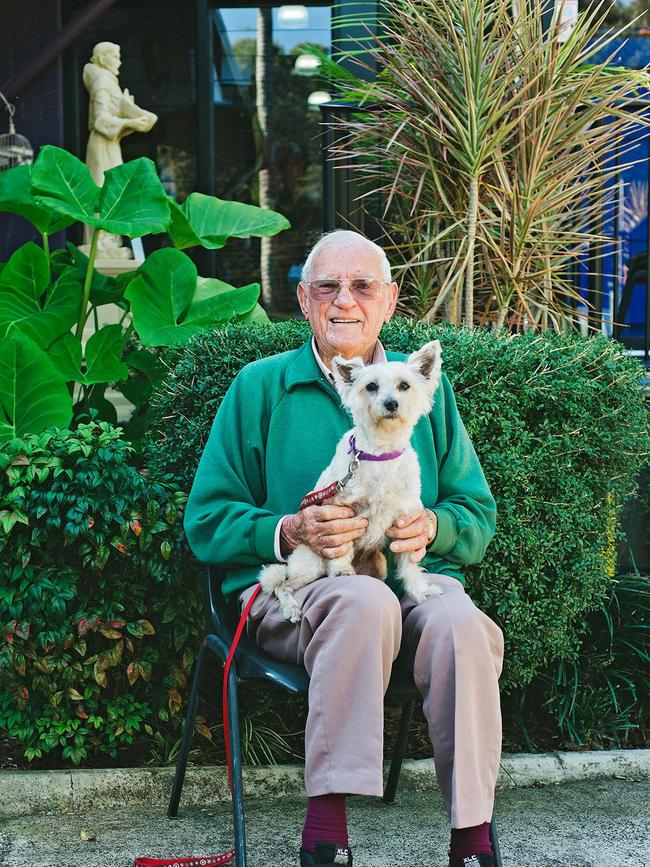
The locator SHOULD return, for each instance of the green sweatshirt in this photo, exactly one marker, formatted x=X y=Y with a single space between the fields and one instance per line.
x=277 y=429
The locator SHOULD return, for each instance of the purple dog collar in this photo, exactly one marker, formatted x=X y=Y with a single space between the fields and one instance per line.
x=366 y=456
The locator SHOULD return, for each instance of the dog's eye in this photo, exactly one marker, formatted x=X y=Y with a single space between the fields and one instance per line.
x=372 y=386
x=403 y=386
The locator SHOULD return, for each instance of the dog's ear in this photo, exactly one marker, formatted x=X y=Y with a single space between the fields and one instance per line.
x=345 y=370
x=427 y=361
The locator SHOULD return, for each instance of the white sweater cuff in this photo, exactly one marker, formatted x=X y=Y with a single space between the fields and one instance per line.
x=276 y=544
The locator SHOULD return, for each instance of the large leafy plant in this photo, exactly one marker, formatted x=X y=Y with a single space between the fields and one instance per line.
x=48 y=372
x=487 y=146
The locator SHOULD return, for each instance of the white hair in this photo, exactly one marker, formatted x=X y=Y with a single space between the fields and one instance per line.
x=351 y=237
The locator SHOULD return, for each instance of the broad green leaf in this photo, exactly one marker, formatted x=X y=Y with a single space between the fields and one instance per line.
x=144 y=361
x=180 y=231
x=32 y=395
x=64 y=184
x=27 y=271
x=159 y=295
x=103 y=357
x=215 y=300
x=210 y=222
x=28 y=305
x=147 y=364
x=65 y=355
x=59 y=260
x=170 y=305
x=257 y=315
x=16 y=198
x=133 y=201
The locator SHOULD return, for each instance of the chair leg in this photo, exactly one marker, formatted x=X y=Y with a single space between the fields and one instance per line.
x=237 y=781
x=494 y=840
x=398 y=752
x=188 y=729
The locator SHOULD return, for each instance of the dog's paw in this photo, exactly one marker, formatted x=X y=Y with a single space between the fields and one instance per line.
x=429 y=590
x=421 y=590
x=335 y=571
x=290 y=608
x=272 y=577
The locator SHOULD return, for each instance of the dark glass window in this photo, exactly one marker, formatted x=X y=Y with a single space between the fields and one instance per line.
x=266 y=93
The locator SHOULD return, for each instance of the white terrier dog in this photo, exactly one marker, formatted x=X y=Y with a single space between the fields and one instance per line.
x=375 y=470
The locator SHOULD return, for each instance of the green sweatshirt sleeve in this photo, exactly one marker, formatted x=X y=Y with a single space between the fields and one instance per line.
x=224 y=522
x=465 y=509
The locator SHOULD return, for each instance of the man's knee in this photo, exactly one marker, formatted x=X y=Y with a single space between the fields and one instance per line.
x=367 y=606
x=370 y=594
x=460 y=625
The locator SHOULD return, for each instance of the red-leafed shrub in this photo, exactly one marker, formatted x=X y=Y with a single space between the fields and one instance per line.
x=99 y=610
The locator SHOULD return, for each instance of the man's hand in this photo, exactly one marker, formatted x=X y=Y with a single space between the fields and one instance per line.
x=328 y=530
x=411 y=533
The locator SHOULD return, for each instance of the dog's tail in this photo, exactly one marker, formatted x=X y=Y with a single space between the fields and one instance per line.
x=272 y=577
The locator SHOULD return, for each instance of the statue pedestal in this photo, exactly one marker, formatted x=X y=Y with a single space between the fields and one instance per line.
x=115 y=267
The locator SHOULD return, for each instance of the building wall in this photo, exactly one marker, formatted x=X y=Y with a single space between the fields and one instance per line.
x=27 y=27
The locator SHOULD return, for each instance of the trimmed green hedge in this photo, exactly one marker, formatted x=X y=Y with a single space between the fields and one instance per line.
x=561 y=428
x=100 y=608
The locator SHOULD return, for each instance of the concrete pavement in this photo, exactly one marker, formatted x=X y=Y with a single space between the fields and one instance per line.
x=590 y=823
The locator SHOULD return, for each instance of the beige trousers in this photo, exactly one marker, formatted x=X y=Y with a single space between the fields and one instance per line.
x=352 y=631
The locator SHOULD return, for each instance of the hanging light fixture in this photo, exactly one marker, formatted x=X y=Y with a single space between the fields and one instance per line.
x=15 y=149
x=293 y=17
x=306 y=64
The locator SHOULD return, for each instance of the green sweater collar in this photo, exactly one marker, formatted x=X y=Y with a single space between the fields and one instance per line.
x=305 y=369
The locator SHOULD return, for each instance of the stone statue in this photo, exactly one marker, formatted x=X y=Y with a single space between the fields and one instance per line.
x=112 y=114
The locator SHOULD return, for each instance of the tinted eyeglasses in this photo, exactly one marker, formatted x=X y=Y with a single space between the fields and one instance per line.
x=361 y=288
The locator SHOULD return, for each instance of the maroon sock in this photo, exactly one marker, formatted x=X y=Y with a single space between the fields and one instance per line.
x=326 y=821
x=470 y=841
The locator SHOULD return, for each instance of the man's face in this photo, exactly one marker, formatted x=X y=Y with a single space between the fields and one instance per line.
x=347 y=326
x=111 y=60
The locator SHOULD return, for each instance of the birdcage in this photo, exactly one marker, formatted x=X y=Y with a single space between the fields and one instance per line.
x=15 y=149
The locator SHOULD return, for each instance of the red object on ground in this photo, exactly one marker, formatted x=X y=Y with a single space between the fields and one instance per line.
x=196 y=861
x=229 y=856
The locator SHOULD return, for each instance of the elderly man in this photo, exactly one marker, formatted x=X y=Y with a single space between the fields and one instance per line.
x=276 y=429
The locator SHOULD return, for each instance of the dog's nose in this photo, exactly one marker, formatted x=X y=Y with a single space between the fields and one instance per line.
x=391 y=405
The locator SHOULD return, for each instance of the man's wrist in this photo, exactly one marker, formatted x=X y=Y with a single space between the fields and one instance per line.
x=432 y=519
x=288 y=540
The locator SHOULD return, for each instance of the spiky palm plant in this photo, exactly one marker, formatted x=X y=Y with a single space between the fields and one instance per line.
x=491 y=144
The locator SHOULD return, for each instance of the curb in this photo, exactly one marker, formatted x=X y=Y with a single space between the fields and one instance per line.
x=31 y=792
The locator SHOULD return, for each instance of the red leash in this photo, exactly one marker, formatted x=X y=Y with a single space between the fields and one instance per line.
x=229 y=856
x=226 y=672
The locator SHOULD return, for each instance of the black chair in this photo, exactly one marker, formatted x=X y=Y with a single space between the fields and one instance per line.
x=252 y=663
